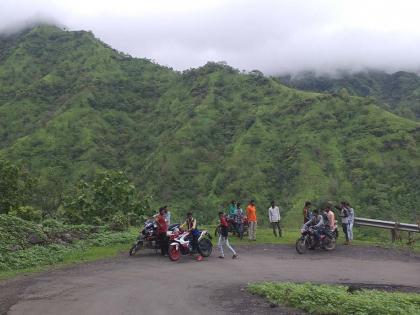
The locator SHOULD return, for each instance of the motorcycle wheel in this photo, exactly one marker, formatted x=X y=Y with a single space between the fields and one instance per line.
x=134 y=249
x=205 y=247
x=329 y=244
x=174 y=253
x=301 y=246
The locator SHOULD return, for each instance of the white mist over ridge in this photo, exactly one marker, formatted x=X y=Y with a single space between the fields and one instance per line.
x=276 y=37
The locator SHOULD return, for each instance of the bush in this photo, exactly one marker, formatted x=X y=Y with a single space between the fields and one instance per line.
x=27 y=213
x=119 y=222
x=16 y=233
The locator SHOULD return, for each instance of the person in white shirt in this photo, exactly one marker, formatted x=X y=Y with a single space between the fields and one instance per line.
x=350 y=221
x=274 y=216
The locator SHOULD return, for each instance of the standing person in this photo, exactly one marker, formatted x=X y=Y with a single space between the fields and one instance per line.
x=350 y=221
x=223 y=237
x=190 y=225
x=306 y=212
x=232 y=209
x=239 y=219
x=167 y=215
x=251 y=213
x=274 y=217
x=331 y=218
x=162 y=228
x=344 y=221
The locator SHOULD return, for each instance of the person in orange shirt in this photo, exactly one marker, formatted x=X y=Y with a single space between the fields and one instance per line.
x=251 y=213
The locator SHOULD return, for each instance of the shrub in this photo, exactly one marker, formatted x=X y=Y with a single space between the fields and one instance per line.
x=119 y=222
x=27 y=213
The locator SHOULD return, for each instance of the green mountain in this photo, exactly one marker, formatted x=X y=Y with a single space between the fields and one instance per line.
x=398 y=92
x=70 y=105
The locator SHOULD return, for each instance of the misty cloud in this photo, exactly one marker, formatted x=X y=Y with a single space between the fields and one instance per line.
x=272 y=36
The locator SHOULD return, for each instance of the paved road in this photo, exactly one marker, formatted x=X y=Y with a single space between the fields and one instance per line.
x=150 y=284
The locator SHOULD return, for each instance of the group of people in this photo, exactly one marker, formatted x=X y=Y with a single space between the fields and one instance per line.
x=236 y=213
x=319 y=220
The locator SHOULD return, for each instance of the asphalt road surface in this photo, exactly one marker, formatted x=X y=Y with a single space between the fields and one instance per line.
x=150 y=284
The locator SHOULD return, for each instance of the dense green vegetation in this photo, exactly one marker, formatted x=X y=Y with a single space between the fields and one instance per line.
x=336 y=299
x=398 y=92
x=72 y=107
x=26 y=245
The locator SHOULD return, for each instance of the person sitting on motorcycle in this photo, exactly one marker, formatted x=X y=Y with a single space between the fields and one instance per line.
x=190 y=225
x=162 y=229
x=316 y=223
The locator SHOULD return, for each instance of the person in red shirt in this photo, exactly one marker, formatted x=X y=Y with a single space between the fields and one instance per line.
x=162 y=229
x=223 y=238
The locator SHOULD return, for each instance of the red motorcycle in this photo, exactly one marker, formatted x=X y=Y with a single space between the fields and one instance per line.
x=181 y=244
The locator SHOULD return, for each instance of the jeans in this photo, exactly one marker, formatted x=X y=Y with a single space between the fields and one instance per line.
x=276 y=226
x=224 y=241
x=164 y=244
x=240 y=229
x=350 y=230
x=345 y=226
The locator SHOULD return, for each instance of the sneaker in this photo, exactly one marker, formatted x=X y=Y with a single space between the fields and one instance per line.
x=221 y=256
x=235 y=256
x=199 y=258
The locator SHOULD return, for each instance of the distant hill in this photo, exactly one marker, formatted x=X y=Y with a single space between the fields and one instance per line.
x=398 y=92
x=70 y=104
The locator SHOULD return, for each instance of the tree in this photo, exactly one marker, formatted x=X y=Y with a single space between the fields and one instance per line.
x=109 y=193
x=15 y=186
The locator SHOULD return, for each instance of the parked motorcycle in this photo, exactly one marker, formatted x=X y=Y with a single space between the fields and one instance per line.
x=182 y=245
x=148 y=238
x=232 y=228
x=307 y=240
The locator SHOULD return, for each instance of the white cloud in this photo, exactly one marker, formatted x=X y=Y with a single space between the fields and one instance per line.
x=273 y=36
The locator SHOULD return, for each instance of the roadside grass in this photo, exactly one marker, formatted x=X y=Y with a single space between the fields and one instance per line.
x=46 y=258
x=336 y=299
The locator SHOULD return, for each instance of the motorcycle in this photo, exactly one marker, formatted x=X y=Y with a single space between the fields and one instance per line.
x=232 y=228
x=327 y=240
x=148 y=237
x=182 y=245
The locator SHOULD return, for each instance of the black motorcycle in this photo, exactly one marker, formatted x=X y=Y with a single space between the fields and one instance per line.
x=326 y=241
x=148 y=238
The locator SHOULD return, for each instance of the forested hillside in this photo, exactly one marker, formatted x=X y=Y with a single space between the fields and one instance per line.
x=70 y=105
x=398 y=92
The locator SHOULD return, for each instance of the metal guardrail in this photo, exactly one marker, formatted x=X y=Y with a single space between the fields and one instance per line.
x=394 y=227
x=387 y=225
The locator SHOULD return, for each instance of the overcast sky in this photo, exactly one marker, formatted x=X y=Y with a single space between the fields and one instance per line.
x=271 y=36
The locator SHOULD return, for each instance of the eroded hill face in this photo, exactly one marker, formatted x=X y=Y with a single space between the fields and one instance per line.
x=71 y=104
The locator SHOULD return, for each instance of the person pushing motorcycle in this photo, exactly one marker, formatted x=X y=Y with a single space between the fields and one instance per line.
x=190 y=225
x=162 y=229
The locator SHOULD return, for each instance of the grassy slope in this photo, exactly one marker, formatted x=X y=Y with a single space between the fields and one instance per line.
x=202 y=137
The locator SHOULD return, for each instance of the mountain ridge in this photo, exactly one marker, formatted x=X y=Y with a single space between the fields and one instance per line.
x=71 y=105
